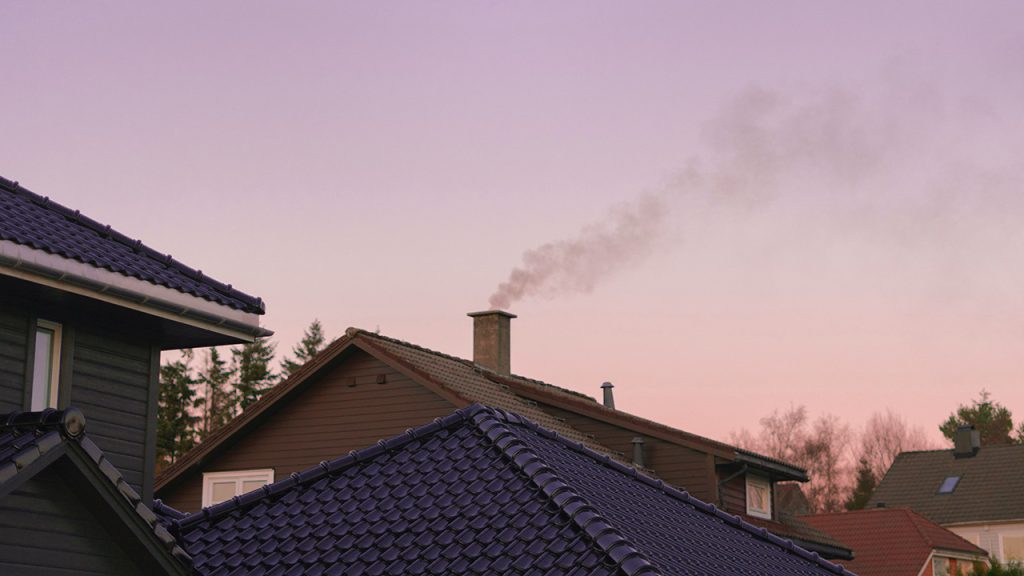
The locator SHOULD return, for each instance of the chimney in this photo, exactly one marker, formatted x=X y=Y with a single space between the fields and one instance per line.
x=638 y=451
x=966 y=442
x=492 y=340
x=609 y=399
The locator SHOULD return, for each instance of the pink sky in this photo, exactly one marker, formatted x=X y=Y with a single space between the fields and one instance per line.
x=848 y=237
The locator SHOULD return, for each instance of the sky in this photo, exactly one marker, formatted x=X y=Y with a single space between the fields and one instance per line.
x=724 y=208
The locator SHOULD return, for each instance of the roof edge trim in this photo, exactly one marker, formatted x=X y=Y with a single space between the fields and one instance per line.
x=41 y=267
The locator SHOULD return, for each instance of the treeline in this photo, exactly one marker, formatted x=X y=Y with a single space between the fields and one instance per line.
x=196 y=401
x=844 y=466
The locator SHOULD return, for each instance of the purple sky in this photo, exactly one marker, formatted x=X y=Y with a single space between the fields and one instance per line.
x=748 y=206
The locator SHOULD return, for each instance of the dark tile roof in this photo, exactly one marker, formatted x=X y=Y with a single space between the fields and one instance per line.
x=480 y=492
x=991 y=486
x=40 y=223
x=890 y=542
x=28 y=438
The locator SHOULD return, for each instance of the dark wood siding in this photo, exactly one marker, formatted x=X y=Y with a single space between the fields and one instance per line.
x=345 y=409
x=46 y=530
x=683 y=467
x=734 y=495
x=111 y=378
x=13 y=356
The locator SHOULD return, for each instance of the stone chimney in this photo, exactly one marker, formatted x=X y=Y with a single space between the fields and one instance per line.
x=966 y=442
x=492 y=340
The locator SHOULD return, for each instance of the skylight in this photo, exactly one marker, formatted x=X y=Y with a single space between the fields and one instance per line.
x=949 y=484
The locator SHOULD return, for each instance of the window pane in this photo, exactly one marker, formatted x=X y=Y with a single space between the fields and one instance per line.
x=250 y=485
x=42 y=369
x=222 y=491
x=949 y=484
x=1013 y=548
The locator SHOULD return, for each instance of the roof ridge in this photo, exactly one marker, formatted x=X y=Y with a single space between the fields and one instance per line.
x=682 y=495
x=329 y=467
x=908 y=513
x=135 y=245
x=492 y=422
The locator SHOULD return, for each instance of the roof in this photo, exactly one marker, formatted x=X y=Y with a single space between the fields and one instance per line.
x=37 y=222
x=890 y=542
x=481 y=491
x=32 y=441
x=991 y=486
x=463 y=382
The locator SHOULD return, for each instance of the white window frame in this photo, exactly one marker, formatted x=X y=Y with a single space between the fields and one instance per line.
x=53 y=386
x=265 y=475
x=759 y=481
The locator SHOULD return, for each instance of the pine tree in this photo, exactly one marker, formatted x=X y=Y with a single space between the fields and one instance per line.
x=252 y=369
x=993 y=420
x=175 y=421
x=312 y=342
x=219 y=399
x=866 y=483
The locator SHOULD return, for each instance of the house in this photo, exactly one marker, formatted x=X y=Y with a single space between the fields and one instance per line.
x=975 y=491
x=92 y=516
x=366 y=386
x=480 y=491
x=899 y=542
x=84 y=314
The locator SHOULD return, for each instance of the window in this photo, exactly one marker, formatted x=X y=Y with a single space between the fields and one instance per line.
x=940 y=566
x=46 y=366
x=759 y=497
x=1013 y=548
x=221 y=486
x=949 y=484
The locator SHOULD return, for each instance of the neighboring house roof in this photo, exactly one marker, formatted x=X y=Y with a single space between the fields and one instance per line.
x=891 y=542
x=30 y=442
x=481 y=491
x=990 y=488
x=37 y=222
x=462 y=382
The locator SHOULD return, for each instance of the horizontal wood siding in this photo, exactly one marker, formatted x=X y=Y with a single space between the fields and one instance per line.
x=46 y=530
x=734 y=495
x=344 y=410
x=13 y=352
x=110 y=383
x=677 y=465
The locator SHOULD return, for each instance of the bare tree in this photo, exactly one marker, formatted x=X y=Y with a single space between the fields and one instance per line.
x=885 y=436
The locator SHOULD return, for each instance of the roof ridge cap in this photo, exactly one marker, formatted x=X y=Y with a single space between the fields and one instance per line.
x=135 y=245
x=327 y=467
x=684 y=496
x=494 y=424
x=356 y=331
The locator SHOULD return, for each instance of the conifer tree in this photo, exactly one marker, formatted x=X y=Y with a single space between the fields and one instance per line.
x=312 y=342
x=252 y=370
x=865 y=486
x=176 y=421
x=219 y=400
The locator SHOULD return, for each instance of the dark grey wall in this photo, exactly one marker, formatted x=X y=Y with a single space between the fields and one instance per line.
x=46 y=529
x=13 y=357
x=111 y=383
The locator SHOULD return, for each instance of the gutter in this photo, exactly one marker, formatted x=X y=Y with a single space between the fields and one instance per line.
x=47 y=269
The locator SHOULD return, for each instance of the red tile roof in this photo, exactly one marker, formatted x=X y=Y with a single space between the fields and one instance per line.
x=890 y=541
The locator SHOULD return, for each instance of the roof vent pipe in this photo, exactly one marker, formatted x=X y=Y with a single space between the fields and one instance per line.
x=638 y=452
x=609 y=398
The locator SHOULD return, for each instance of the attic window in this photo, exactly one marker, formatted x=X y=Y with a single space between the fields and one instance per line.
x=46 y=367
x=221 y=486
x=759 y=497
x=949 y=484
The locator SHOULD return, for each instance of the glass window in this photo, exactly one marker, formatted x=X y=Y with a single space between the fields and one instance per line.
x=949 y=484
x=759 y=497
x=940 y=566
x=221 y=486
x=46 y=366
x=1013 y=548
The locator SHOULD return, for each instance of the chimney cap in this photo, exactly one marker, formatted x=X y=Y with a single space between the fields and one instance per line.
x=491 y=312
x=607 y=385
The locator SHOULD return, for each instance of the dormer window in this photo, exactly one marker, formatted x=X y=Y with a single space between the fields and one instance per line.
x=759 y=497
x=45 y=365
x=949 y=484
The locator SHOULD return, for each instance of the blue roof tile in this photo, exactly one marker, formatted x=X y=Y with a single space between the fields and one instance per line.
x=40 y=223
x=480 y=492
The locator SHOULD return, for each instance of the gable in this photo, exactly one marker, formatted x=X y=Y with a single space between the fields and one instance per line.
x=352 y=404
